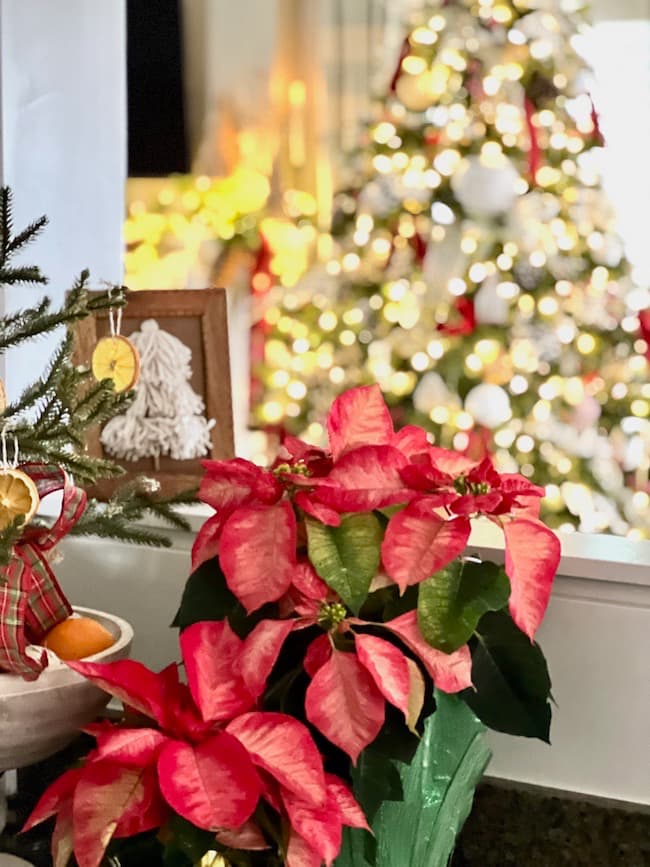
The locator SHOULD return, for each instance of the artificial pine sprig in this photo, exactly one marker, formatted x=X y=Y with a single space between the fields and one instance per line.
x=119 y=517
x=8 y=537
x=51 y=417
x=41 y=319
x=11 y=244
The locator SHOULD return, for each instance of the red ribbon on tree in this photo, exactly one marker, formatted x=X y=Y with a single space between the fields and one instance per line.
x=404 y=52
x=534 y=151
x=261 y=282
x=598 y=135
x=31 y=600
x=644 y=324
x=464 y=323
x=419 y=246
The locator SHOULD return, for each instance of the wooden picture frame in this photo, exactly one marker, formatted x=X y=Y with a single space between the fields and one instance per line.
x=198 y=317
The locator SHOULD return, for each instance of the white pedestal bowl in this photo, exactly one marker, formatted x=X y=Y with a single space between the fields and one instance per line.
x=40 y=717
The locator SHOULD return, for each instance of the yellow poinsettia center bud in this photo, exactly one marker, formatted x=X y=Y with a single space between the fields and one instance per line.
x=331 y=614
x=463 y=486
x=300 y=468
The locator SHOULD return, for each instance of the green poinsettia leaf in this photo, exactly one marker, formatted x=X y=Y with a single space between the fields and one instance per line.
x=206 y=596
x=451 y=602
x=346 y=557
x=186 y=844
x=511 y=681
x=377 y=780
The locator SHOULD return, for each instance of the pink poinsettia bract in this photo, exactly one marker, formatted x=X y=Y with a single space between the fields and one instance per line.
x=202 y=750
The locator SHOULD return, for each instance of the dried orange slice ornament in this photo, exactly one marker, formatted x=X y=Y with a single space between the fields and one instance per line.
x=18 y=496
x=116 y=358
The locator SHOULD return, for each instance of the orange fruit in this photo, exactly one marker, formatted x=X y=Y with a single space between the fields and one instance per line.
x=77 y=638
x=116 y=358
x=18 y=496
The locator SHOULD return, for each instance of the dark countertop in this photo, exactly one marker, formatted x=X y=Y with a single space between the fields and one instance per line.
x=511 y=827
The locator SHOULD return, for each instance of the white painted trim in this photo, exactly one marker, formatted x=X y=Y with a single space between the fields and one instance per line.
x=595 y=556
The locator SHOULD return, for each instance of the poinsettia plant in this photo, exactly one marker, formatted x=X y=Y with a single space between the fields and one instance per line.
x=333 y=605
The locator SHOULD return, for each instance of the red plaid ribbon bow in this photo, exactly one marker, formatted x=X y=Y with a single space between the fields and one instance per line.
x=31 y=601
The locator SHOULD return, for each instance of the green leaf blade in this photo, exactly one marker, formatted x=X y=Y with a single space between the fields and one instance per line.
x=346 y=557
x=206 y=596
x=452 y=602
x=511 y=680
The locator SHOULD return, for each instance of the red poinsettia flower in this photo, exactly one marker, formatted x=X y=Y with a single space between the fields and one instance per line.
x=254 y=529
x=435 y=526
x=201 y=750
x=354 y=673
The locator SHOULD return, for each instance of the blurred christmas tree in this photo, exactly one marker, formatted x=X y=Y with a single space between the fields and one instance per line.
x=476 y=273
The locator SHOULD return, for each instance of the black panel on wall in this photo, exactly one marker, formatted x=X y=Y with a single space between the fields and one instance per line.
x=156 y=116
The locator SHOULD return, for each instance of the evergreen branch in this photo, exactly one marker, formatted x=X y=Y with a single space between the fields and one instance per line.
x=5 y=222
x=52 y=415
x=8 y=537
x=35 y=321
x=138 y=498
x=10 y=319
x=26 y=237
x=117 y=527
x=53 y=447
x=99 y=403
x=38 y=390
x=120 y=517
x=115 y=297
x=9 y=245
x=24 y=274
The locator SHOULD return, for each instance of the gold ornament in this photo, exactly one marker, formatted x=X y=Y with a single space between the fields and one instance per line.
x=416 y=92
x=500 y=371
x=3 y=396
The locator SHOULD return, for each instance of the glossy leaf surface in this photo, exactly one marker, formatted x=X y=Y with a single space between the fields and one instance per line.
x=346 y=557
x=452 y=601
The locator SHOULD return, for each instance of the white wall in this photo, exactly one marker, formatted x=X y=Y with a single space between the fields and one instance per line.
x=63 y=146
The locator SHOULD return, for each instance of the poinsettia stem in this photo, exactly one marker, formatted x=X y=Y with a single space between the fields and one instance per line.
x=270 y=831
x=283 y=685
x=234 y=858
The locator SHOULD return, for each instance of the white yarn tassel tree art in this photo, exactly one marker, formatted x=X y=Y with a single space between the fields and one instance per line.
x=166 y=417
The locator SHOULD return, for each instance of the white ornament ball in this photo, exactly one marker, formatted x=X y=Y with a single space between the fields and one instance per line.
x=489 y=405
x=379 y=197
x=431 y=392
x=586 y=413
x=610 y=253
x=489 y=307
x=444 y=259
x=485 y=190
